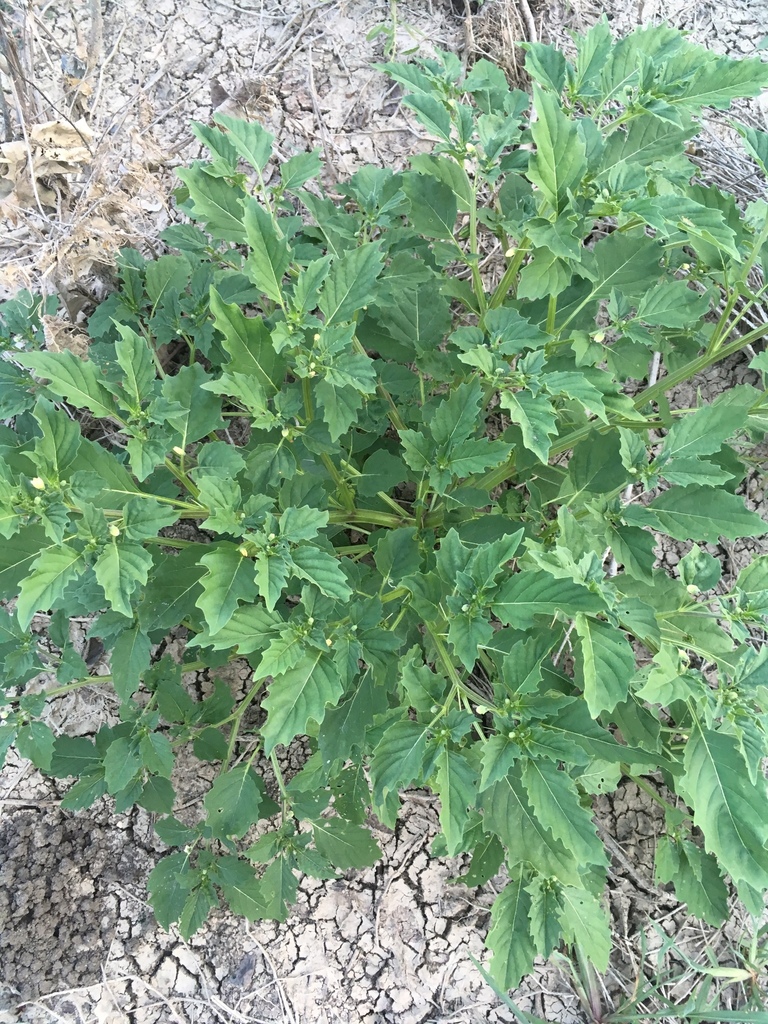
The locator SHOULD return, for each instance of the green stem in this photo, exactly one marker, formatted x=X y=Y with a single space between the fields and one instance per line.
x=182 y=478
x=477 y=281
x=510 y=274
x=646 y=788
x=450 y=669
x=551 y=314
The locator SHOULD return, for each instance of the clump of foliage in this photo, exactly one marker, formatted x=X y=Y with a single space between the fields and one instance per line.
x=426 y=504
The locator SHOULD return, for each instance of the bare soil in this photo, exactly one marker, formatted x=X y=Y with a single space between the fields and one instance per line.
x=390 y=945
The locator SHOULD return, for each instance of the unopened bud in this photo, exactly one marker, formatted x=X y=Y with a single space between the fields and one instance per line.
x=315 y=337
x=177 y=450
x=38 y=483
x=114 y=531
x=328 y=642
x=243 y=550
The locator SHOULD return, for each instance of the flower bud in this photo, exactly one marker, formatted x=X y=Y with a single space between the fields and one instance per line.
x=114 y=531
x=38 y=483
x=177 y=450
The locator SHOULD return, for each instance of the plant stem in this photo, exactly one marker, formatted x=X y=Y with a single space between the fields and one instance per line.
x=510 y=274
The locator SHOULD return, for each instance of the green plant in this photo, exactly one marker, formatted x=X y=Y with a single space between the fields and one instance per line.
x=408 y=485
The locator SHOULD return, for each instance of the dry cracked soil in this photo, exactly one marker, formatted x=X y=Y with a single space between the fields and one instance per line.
x=390 y=945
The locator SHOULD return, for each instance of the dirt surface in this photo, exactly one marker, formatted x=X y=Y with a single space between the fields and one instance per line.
x=390 y=945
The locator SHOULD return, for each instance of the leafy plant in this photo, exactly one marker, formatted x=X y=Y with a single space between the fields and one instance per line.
x=425 y=499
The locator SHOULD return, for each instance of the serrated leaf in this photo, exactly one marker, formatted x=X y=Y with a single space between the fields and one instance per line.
x=296 y=696
x=172 y=589
x=628 y=262
x=303 y=523
x=672 y=304
x=279 y=885
x=695 y=876
x=73 y=755
x=216 y=202
x=351 y=283
x=135 y=361
x=145 y=517
x=456 y=785
x=130 y=659
x=529 y=594
x=731 y=811
x=345 y=845
x=251 y=628
x=433 y=206
x=50 y=573
x=122 y=764
x=544 y=915
x=34 y=741
x=229 y=580
x=509 y=937
x=232 y=803
x=559 y=163
x=168 y=887
x=605 y=666
x=703 y=432
x=431 y=113
x=248 y=343
x=57 y=449
x=252 y=141
x=398 y=758
x=321 y=568
x=241 y=888
x=556 y=804
x=698 y=513
x=536 y=418
x=585 y=922
x=75 y=379
x=120 y=569
x=157 y=754
x=270 y=256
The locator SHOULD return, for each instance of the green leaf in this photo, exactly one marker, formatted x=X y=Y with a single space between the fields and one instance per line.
x=168 y=888
x=144 y=518
x=73 y=755
x=545 y=915
x=35 y=741
x=241 y=888
x=248 y=343
x=122 y=763
x=628 y=262
x=136 y=362
x=57 y=449
x=296 y=696
x=731 y=811
x=157 y=754
x=536 y=418
x=345 y=845
x=698 y=513
x=456 y=785
x=322 y=569
x=251 y=628
x=351 y=283
x=556 y=804
x=508 y=813
x=398 y=758
x=433 y=206
x=172 y=589
x=585 y=923
x=229 y=579
x=605 y=666
x=72 y=378
x=560 y=162
x=303 y=523
x=702 y=432
x=216 y=202
x=695 y=876
x=279 y=885
x=270 y=256
x=672 y=304
x=509 y=937
x=192 y=411
x=528 y=594
x=431 y=113
x=249 y=138
x=130 y=659
x=232 y=803
x=50 y=573
x=120 y=569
